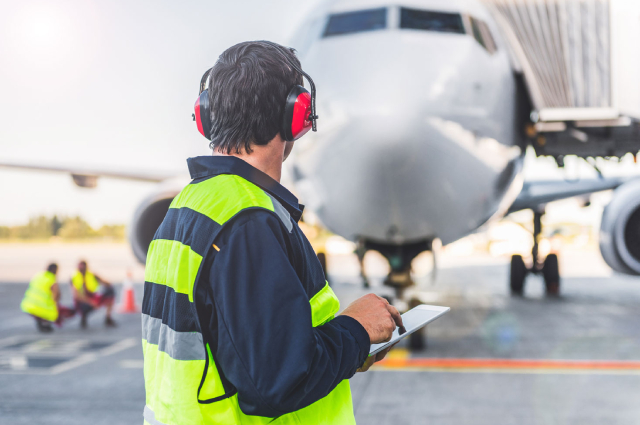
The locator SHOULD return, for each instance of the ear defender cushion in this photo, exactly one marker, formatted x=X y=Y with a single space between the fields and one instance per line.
x=297 y=110
x=202 y=114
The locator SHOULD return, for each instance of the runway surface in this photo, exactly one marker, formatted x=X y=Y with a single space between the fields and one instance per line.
x=492 y=360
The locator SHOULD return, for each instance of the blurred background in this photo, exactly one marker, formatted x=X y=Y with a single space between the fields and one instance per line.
x=474 y=154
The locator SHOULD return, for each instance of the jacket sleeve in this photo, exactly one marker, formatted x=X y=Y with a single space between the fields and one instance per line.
x=267 y=347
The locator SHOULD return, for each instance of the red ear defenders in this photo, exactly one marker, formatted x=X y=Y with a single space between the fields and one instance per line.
x=299 y=109
x=202 y=115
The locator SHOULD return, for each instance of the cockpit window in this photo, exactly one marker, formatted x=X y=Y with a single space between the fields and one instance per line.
x=431 y=21
x=359 y=21
x=482 y=34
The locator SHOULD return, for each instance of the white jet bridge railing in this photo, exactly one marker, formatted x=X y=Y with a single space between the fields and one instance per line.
x=578 y=57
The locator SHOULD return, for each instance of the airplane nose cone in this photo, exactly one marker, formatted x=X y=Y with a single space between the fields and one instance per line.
x=400 y=177
x=402 y=152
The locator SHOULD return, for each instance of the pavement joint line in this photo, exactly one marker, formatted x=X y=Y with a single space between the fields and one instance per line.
x=73 y=363
x=119 y=346
x=64 y=366
x=90 y=357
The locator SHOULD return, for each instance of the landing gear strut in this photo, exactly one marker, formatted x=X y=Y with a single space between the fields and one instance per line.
x=548 y=268
x=361 y=250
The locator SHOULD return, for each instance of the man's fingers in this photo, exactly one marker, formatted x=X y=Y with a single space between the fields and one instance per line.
x=367 y=364
x=391 y=324
x=397 y=318
x=381 y=355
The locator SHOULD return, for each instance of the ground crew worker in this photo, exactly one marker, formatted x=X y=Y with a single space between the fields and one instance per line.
x=86 y=296
x=239 y=325
x=41 y=300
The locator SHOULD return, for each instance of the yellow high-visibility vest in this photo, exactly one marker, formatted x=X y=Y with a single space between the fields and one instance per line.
x=38 y=300
x=183 y=386
x=92 y=283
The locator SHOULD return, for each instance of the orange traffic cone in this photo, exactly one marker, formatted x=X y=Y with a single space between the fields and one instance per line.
x=128 y=301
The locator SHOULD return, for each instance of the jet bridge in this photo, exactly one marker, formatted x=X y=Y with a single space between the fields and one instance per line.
x=579 y=63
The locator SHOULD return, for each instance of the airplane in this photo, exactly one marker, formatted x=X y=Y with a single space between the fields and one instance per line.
x=425 y=117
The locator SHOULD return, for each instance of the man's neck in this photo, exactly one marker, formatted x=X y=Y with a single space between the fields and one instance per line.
x=267 y=158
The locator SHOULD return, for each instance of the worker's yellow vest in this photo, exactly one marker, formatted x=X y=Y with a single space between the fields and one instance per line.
x=77 y=281
x=182 y=382
x=38 y=300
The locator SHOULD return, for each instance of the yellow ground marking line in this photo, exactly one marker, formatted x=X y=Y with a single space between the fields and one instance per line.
x=398 y=354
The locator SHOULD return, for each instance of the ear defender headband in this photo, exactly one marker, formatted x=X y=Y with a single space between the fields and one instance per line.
x=299 y=109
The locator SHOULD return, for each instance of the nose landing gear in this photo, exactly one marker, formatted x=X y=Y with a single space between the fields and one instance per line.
x=548 y=268
x=399 y=278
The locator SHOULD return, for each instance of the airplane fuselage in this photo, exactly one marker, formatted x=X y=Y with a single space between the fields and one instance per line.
x=417 y=134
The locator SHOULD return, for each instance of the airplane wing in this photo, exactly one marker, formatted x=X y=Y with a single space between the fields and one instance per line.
x=88 y=177
x=537 y=193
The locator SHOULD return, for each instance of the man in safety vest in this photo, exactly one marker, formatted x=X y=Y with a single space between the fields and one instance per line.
x=238 y=323
x=41 y=298
x=87 y=297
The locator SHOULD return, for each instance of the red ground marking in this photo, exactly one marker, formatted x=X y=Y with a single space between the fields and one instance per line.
x=507 y=364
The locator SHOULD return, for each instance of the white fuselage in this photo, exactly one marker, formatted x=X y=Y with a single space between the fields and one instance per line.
x=416 y=138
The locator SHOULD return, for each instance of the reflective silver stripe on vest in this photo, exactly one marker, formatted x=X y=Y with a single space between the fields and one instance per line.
x=282 y=213
x=150 y=416
x=178 y=345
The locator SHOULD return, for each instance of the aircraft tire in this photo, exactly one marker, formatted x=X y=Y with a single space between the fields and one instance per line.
x=517 y=275
x=551 y=275
x=418 y=340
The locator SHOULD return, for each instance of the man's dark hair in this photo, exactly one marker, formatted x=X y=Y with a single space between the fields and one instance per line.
x=248 y=88
x=53 y=268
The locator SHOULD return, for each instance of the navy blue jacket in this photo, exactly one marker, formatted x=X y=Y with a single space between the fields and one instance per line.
x=252 y=299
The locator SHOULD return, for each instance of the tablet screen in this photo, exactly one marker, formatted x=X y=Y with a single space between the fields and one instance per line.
x=412 y=320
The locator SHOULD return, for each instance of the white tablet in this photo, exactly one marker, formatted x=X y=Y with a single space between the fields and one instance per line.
x=413 y=320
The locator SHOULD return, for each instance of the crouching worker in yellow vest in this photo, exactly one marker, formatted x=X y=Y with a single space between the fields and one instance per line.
x=239 y=325
x=41 y=300
x=88 y=295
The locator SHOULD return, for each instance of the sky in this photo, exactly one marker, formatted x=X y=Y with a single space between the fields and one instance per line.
x=111 y=84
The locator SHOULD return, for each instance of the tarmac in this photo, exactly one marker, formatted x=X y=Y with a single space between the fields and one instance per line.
x=493 y=359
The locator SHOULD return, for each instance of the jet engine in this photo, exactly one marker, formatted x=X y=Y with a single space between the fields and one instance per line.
x=148 y=217
x=620 y=229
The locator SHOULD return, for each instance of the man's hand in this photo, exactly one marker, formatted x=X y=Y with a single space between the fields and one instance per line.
x=376 y=316
x=374 y=359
